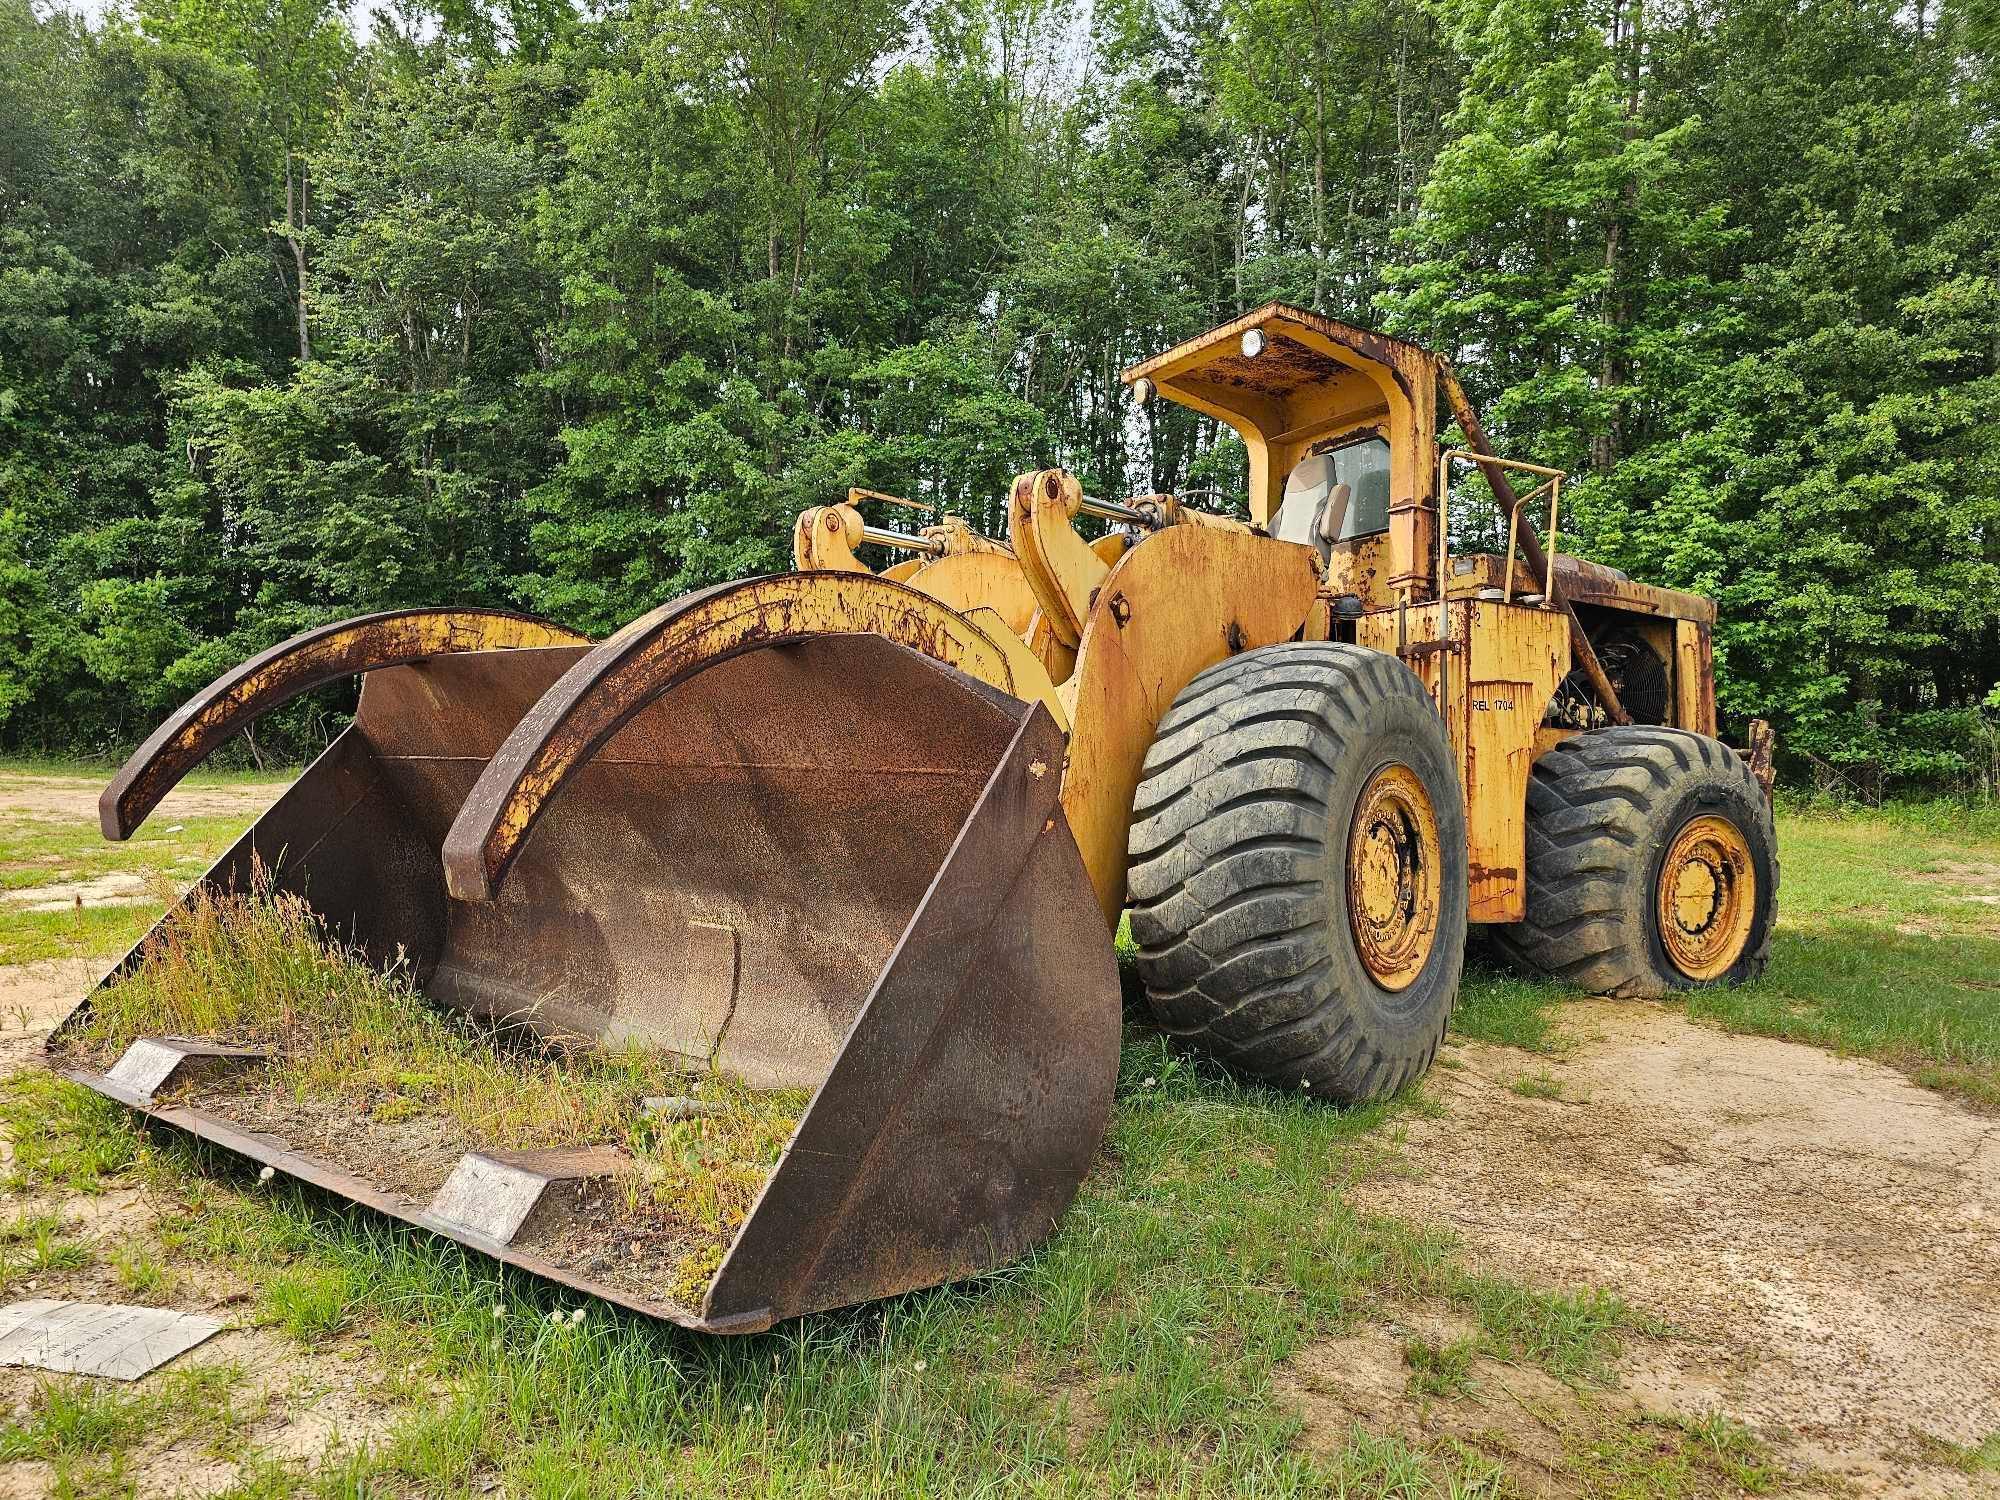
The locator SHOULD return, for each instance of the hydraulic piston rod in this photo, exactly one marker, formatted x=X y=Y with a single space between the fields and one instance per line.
x=1111 y=510
x=883 y=537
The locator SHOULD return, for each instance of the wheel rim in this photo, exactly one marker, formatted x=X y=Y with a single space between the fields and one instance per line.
x=1708 y=897
x=1394 y=876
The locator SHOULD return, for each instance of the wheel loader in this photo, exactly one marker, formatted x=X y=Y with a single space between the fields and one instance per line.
x=867 y=828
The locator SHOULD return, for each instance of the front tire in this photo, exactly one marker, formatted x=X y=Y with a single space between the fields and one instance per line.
x=1652 y=865
x=1298 y=869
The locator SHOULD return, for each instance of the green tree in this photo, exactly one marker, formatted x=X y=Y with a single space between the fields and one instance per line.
x=392 y=469
x=293 y=56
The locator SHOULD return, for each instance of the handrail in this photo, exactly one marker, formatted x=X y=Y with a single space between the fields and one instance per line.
x=1513 y=535
x=1553 y=484
x=1513 y=504
x=1579 y=639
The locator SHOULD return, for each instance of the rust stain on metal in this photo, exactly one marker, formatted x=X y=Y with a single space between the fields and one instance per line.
x=602 y=692
x=1418 y=650
x=296 y=666
x=1584 y=582
x=1763 y=742
x=1287 y=364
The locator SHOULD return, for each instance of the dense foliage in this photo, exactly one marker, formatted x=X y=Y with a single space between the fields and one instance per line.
x=509 y=301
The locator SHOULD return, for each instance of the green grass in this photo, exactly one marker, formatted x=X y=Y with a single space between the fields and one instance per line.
x=1670 y=1457
x=1953 y=819
x=65 y=1139
x=309 y=1302
x=1978 y=1458
x=1138 y=1350
x=142 y=1273
x=1883 y=868
x=40 y=850
x=1881 y=950
x=1540 y=1084
x=211 y=775
x=1497 y=1006
x=257 y=968
x=1440 y=1369
x=32 y=1246
x=99 y=932
x=87 y=1431
x=1141 y=1350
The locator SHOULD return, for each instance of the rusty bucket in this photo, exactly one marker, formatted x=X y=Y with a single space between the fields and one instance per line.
x=824 y=859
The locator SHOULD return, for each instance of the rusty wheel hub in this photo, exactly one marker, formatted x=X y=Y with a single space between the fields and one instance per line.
x=1394 y=876
x=1708 y=897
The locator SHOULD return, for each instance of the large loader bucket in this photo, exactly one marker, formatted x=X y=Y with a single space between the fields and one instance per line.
x=781 y=830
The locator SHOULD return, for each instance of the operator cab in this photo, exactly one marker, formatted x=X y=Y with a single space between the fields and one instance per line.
x=1338 y=424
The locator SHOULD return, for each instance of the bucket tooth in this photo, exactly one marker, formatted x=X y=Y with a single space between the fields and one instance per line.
x=504 y=1196
x=151 y=1063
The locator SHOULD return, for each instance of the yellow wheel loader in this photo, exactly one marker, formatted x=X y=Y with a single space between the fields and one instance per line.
x=868 y=835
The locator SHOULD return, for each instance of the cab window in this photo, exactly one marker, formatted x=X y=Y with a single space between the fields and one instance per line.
x=1363 y=467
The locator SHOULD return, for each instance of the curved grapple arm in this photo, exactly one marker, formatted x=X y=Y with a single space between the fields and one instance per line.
x=648 y=658
x=273 y=678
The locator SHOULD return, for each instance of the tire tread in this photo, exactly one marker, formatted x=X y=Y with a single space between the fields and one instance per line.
x=1227 y=850
x=1588 y=819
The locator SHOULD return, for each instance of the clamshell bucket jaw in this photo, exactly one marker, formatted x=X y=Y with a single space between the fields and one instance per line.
x=796 y=829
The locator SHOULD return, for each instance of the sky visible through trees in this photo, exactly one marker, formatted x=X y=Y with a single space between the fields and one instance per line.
x=304 y=314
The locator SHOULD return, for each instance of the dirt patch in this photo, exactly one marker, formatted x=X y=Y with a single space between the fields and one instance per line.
x=73 y=799
x=305 y=1407
x=1518 y=1416
x=408 y=1158
x=1974 y=881
x=612 y=1230
x=1822 y=1235
x=119 y=889
x=288 y=1402
x=33 y=997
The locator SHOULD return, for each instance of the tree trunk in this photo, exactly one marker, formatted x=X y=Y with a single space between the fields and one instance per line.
x=1243 y=212
x=295 y=212
x=1319 y=152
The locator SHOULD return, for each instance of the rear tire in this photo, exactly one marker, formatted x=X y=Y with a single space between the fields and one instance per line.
x=1297 y=877
x=1652 y=865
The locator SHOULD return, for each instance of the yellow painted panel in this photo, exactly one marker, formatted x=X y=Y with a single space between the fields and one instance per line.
x=1493 y=685
x=1179 y=601
x=1694 y=694
x=973 y=580
x=1059 y=565
x=1518 y=655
